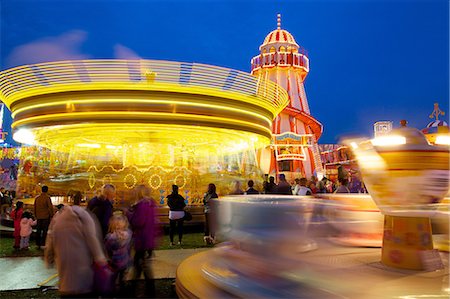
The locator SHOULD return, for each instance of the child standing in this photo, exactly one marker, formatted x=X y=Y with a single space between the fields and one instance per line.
x=26 y=229
x=117 y=243
x=16 y=215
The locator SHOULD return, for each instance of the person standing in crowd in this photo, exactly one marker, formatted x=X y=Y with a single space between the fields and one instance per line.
x=283 y=186
x=342 y=186
x=250 y=189
x=5 y=201
x=73 y=244
x=209 y=237
x=117 y=244
x=16 y=215
x=312 y=184
x=237 y=189
x=76 y=198
x=296 y=186
x=176 y=213
x=302 y=189
x=270 y=187
x=321 y=185
x=143 y=222
x=101 y=206
x=26 y=228
x=43 y=211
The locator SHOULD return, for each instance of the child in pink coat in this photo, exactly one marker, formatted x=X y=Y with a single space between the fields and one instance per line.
x=26 y=228
x=16 y=215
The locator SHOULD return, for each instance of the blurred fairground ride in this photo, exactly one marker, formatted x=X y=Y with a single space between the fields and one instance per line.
x=129 y=122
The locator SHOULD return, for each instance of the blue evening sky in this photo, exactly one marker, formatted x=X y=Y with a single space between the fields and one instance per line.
x=370 y=60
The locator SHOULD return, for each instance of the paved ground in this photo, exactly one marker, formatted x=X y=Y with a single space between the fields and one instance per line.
x=28 y=272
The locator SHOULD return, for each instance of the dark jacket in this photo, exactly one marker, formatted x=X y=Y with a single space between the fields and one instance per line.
x=206 y=199
x=43 y=208
x=102 y=208
x=270 y=188
x=283 y=188
x=175 y=202
x=251 y=190
x=143 y=222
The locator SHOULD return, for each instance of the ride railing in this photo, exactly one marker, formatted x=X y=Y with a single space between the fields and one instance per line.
x=52 y=77
x=298 y=60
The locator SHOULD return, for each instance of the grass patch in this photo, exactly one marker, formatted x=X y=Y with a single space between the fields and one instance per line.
x=190 y=240
x=7 y=250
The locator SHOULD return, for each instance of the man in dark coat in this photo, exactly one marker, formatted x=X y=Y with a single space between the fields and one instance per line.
x=102 y=206
x=283 y=186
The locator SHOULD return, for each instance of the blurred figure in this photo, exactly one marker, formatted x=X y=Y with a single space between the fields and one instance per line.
x=16 y=215
x=76 y=198
x=321 y=185
x=209 y=237
x=342 y=173
x=283 y=186
x=250 y=189
x=26 y=228
x=43 y=211
x=270 y=187
x=143 y=222
x=302 y=189
x=355 y=184
x=237 y=189
x=312 y=184
x=5 y=201
x=13 y=172
x=101 y=206
x=342 y=186
x=74 y=246
x=176 y=213
x=329 y=186
x=117 y=244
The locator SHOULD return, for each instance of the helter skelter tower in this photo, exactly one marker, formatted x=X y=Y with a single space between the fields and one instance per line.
x=294 y=149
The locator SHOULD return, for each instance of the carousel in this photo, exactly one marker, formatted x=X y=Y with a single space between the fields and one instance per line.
x=85 y=123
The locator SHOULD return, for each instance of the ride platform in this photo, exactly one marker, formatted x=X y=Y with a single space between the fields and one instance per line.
x=329 y=272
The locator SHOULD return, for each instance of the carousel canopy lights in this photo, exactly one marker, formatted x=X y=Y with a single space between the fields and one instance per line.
x=126 y=102
x=24 y=136
x=90 y=145
x=443 y=140
x=389 y=140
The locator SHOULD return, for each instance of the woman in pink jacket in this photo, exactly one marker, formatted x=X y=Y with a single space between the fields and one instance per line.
x=143 y=222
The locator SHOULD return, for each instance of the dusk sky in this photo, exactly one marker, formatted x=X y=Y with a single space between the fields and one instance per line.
x=369 y=60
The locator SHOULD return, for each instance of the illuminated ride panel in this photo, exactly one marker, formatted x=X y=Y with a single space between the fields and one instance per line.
x=136 y=112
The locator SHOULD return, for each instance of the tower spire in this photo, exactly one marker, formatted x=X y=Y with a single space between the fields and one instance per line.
x=278 y=21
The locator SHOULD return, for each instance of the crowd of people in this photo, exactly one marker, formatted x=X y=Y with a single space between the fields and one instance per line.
x=302 y=186
x=93 y=248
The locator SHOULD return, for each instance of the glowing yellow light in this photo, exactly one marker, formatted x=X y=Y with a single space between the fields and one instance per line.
x=353 y=145
x=138 y=101
x=155 y=181
x=169 y=117
x=90 y=145
x=63 y=76
x=24 y=136
x=129 y=181
x=443 y=140
x=109 y=146
x=389 y=140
